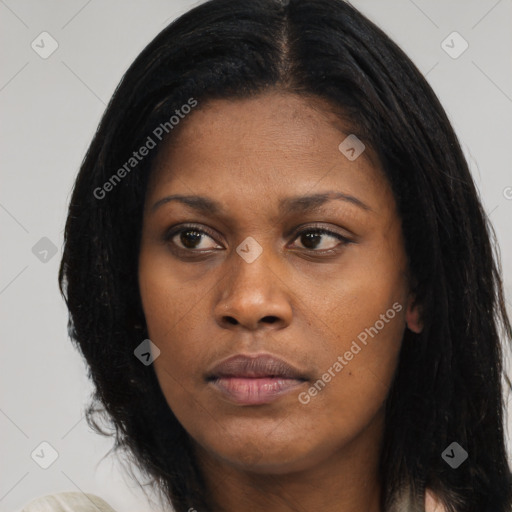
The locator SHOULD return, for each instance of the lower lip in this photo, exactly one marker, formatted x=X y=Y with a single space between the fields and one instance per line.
x=254 y=391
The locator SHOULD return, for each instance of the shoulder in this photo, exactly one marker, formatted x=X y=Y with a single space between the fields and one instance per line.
x=68 y=502
x=431 y=503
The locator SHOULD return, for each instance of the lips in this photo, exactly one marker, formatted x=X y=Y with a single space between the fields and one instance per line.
x=254 y=380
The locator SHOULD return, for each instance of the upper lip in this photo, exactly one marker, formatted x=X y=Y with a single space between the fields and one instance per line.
x=255 y=366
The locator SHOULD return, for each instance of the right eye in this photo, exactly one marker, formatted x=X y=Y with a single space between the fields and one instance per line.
x=191 y=238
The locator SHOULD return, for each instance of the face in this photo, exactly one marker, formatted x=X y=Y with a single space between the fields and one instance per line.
x=282 y=250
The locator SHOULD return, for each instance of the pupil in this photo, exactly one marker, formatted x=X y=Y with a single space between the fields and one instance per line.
x=310 y=240
x=189 y=241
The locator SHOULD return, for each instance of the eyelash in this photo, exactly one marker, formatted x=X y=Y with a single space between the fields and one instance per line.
x=310 y=229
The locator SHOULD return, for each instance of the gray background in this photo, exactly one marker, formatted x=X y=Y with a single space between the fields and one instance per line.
x=50 y=109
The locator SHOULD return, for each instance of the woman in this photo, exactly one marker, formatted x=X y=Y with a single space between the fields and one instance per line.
x=280 y=274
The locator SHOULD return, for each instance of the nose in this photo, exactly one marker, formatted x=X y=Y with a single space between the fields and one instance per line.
x=253 y=295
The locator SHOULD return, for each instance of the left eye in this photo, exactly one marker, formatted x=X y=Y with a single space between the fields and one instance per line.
x=321 y=239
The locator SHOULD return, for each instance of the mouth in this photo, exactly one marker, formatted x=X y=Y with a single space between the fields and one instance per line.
x=254 y=380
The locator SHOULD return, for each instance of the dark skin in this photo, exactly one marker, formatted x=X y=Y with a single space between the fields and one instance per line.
x=305 y=298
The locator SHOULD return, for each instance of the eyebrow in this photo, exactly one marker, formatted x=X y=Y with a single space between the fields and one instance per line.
x=297 y=204
x=303 y=204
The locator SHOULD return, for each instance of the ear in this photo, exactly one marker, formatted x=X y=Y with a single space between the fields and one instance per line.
x=413 y=315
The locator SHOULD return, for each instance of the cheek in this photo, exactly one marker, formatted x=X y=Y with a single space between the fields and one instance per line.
x=361 y=315
x=174 y=318
x=351 y=391
x=170 y=301
x=175 y=329
x=365 y=301
x=361 y=369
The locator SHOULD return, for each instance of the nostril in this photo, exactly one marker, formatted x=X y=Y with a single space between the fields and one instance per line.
x=231 y=320
x=269 y=319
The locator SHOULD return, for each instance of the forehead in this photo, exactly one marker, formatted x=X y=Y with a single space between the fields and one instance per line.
x=273 y=142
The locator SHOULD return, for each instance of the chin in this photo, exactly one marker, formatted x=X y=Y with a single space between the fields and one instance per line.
x=256 y=454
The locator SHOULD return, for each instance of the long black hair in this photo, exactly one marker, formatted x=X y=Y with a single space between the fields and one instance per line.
x=447 y=387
